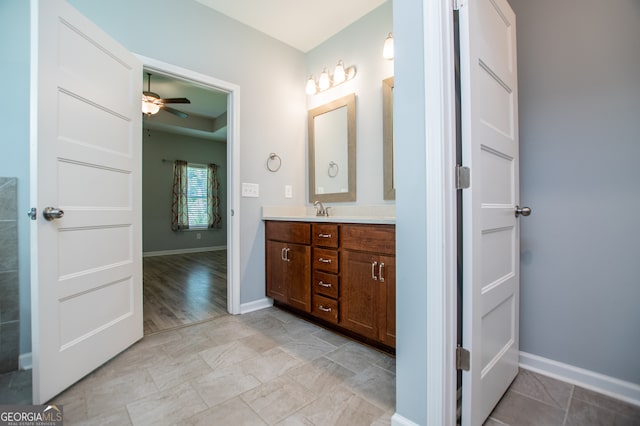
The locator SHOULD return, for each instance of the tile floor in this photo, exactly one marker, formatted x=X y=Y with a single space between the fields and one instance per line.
x=537 y=400
x=269 y=367
x=265 y=367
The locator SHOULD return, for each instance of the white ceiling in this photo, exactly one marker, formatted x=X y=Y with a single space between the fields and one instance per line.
x=303 y=24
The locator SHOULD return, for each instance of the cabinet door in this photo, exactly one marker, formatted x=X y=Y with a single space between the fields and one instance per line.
x=298 y=267
x=360 y=292
x=276 y=271
x=387 y=311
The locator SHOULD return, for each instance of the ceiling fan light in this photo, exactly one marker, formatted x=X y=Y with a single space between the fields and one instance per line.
x=387 y=50
x=150 y=108
x=338 y=74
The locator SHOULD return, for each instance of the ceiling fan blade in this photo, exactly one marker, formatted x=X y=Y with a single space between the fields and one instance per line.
x=175 y=101
x=174 y=111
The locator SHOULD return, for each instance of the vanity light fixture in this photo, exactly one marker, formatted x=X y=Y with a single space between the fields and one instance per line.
x=338 y=74
x=326 y=81
x=387 y=50
x=312 y=88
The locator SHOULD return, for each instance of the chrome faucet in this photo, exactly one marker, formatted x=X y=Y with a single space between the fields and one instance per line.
x=321 y=210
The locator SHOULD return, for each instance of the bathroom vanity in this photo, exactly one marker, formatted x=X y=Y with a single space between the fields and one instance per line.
x=338 y=272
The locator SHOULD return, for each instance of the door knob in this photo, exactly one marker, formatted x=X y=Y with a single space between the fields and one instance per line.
x=524 y=211
x=51 y=213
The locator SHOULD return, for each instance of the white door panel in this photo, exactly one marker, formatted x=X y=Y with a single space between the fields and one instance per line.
x=85 y=160
x=491 y=241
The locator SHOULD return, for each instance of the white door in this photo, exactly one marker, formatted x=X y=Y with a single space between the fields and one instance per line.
x=491 y=240
x=86 y=283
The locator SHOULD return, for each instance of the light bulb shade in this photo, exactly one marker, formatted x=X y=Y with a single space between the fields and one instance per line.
x=339 y=75
x=149 y=108
x=324 y=82
x=311 y=86
x=387 y=50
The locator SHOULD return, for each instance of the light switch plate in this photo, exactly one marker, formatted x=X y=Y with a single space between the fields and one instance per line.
x=288 y=191
x=250 y=190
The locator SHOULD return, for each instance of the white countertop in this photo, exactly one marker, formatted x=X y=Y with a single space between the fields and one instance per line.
x=379 y=214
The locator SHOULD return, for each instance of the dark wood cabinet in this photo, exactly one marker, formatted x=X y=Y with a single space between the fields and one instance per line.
x=369 y=269
x=343 y=275
x=288 y=264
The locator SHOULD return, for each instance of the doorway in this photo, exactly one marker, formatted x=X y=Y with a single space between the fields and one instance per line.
x=219 y=262
x=185 y=266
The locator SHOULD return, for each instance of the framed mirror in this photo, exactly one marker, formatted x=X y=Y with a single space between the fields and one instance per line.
x=332 y=151
x=389 y=187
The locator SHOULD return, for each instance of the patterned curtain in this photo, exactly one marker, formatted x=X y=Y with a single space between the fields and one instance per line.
x=179 y=211
x=213 y=197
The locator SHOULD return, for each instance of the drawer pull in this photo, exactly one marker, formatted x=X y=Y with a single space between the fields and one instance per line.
x=323 y=284
x=324 y=235
x=284 y=254
x=323 y=260
x=380 y=272
x=323 y=309
x=373 y=271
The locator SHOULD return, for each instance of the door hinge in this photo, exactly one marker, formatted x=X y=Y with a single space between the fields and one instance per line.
x=463 y=357
x=463 y=177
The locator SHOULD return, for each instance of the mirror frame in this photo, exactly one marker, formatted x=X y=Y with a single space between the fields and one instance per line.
x=350 y=102
x=388 y=187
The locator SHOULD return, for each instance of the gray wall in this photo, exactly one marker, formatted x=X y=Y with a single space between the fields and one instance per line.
x=157 y=181
x=579 y=83
x=14 y=143
x=409 y=136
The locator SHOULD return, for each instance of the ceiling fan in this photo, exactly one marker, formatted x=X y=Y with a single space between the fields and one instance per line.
x=152 y=102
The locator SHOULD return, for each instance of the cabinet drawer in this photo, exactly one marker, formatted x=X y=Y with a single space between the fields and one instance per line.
x=325 y=284
x=324 y=235
x=371 y=238
x=291 y=232
x=325 y=260
x=325 y=308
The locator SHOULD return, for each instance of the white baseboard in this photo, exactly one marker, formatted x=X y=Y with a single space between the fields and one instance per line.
x=24 y=361
x=182 y=251
x=256 y=305
x=611 y=386
x=398 y=420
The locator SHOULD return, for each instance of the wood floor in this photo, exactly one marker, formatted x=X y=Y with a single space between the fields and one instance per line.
x=183 y=289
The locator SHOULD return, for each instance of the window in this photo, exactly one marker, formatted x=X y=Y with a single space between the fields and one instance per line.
x=195 y=201
x=197 y=195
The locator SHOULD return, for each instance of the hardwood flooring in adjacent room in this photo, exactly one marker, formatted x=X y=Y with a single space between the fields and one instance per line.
x=184 y=289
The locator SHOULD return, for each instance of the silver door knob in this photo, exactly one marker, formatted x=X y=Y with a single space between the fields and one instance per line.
x=524 y=211
x=51 y=213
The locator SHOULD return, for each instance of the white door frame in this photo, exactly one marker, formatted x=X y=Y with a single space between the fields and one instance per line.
x=440 y=120
x=233 y=166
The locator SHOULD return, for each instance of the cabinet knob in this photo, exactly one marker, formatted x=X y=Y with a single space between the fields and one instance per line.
x=323 y=284
x=324 y=235
x=323 y=309
x=323 y=260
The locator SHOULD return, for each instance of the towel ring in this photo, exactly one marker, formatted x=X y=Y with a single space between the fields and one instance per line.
x=333 y=169
x=274 y=157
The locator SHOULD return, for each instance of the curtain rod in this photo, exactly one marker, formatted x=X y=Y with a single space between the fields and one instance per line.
x=164 y=160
